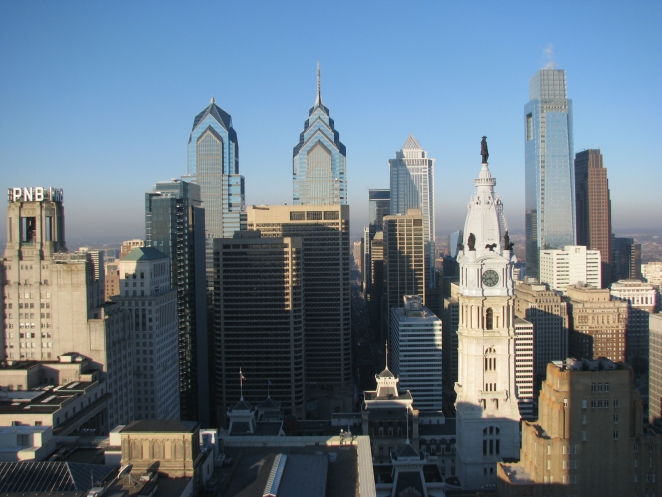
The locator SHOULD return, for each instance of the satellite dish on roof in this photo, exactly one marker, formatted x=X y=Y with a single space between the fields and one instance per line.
x=126 y=470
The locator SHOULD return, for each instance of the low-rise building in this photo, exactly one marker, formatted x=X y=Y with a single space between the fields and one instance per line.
x=26 y=443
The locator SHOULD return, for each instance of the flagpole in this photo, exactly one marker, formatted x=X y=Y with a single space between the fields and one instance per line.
x=241 y=384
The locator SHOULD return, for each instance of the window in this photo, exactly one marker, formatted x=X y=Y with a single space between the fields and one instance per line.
x=489 y=319
x=583 y=436
x=615 y=418
x=615 y=435
x=606 y=387
x=593 y=404
x=615 y=403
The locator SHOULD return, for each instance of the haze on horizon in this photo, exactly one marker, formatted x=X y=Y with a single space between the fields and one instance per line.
x=99 y=100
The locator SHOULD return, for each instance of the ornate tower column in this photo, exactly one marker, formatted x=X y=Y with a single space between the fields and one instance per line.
x=487 y=411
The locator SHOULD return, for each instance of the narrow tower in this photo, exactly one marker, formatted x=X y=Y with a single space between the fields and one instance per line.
x=319 y=163
x=487 y=412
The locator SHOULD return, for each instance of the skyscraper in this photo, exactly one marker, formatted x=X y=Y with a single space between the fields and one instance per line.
x=404 y=263
x=487 y=405
x=327 y=321
x=213 y=163
x=594 y=208
x=416 y=358
x=379 y=205
x=560 y=268
x=55 y=307
x=175 y=225
x=655 y=372
x=549 y=168
x=146 y=293
x=319 y=164
x=626 y=256
x=412 y=187
x=259 y=323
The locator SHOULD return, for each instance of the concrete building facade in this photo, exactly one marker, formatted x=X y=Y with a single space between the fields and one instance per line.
x=416 y=352
x=54 y=304
x=146 y=294
x=573 y=264
x=642 y=301
x=655 y=372
x=548 y=313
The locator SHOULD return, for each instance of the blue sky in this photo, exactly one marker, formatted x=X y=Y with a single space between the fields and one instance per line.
x=99 y=97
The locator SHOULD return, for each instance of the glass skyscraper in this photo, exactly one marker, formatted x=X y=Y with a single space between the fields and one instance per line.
x=175 y=225
x=549 y=167
x=412 y=187
x=319 y=163
x=213 y=163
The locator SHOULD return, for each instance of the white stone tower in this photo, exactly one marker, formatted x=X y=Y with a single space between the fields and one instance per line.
x=487 y=412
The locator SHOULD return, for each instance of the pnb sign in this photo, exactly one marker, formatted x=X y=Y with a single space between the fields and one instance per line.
x=37 y=194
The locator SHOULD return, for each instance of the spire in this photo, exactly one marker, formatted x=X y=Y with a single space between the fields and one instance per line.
x=318 y=101
x=386 y=355
x=212 y=101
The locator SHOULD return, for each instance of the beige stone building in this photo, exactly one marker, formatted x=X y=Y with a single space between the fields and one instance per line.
x=548 y=313
x=54 y=303
x=171 y=448
x=597 y=324
x=589 y=438
x=112 y=281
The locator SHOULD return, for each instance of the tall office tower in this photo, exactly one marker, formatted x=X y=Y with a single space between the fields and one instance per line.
x=572 y=265
x=112 y=280
x=486 y=405
x=548 y=313
x=146 y=293
x=213 y=163
x=404 y=262
x=98 y=262
x=319 y=164
x=129 y=245
x=379 y=205
x=593 y=206
x=416 y=357
x=376 y=295
x=54 y=304
x=589 y=438
x=524 y=375
x=454 y=240
x=597 y=324
x=626 y=255
x=549 y=169
x=642 y=301
x=655 y=372
x=327 y=321
x=412 y=187
x=357 y=254
x=258 y=303
x=451 y=322
x=175 y=225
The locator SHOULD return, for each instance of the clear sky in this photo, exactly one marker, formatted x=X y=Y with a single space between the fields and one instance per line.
x=98 y=98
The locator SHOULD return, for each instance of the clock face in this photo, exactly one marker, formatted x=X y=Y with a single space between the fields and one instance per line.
x=490 y=278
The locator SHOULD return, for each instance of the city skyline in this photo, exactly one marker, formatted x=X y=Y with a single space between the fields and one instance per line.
x=475 y=82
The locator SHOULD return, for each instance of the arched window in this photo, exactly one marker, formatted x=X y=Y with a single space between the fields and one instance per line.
x=489 y=319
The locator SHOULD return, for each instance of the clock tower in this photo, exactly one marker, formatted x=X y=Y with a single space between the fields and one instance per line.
x=486 y=405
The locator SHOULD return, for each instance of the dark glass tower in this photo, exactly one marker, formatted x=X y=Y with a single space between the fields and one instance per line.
x=594 y=208
x=175 y=225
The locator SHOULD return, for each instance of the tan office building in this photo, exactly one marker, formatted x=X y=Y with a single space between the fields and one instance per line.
x=597 y=323
x=548 y=313
x=589 y=438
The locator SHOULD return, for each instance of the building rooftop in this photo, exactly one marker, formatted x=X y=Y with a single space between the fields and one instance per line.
x=516 y=474
x=56 y=476
x=160 y=426
x=45 y=400
x=144 y=254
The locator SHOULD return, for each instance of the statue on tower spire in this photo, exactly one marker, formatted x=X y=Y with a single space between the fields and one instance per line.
x=483 y=150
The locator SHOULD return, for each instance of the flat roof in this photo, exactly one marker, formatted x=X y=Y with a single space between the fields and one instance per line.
x=160 y=426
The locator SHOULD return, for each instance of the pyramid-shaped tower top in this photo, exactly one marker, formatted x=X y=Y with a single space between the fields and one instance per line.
x=219 y=114
x=411 y=144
